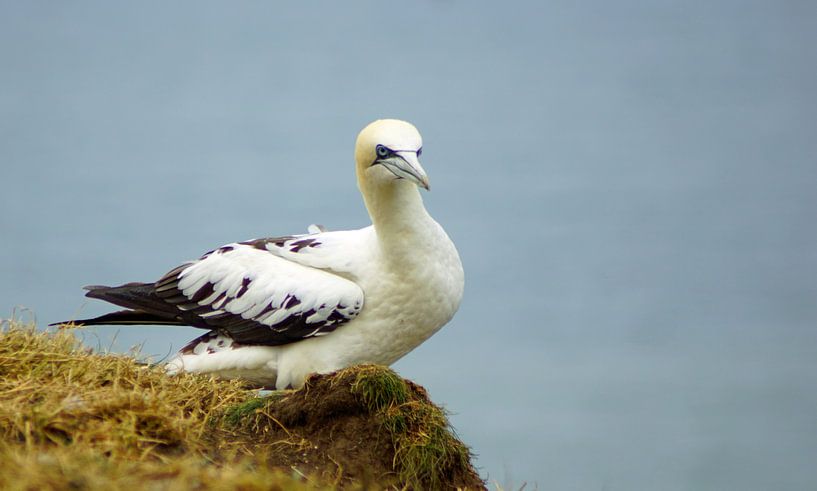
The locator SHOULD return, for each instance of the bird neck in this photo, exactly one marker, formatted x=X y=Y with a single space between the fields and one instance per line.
x=397 y=213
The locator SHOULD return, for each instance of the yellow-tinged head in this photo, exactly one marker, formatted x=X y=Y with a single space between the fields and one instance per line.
x=386 y=151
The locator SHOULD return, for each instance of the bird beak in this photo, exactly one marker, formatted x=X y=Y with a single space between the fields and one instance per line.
x=405 y=165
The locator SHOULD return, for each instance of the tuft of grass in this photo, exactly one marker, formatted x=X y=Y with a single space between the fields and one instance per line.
x=426 y=449
x=378 y=387
x=53 y=390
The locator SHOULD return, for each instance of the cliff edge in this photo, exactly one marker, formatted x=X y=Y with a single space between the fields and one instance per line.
x=71 y=418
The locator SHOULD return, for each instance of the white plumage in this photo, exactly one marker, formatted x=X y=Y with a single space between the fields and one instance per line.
x=279 y=309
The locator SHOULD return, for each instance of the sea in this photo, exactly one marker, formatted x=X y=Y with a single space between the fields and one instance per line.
x=632 y=187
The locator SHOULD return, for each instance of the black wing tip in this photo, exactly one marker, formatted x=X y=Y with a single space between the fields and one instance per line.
x=61 y=324
x=132 y=284
x=123 y=318
x=93 y=291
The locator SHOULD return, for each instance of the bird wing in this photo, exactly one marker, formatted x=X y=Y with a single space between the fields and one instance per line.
x=259 y=297
x=344 y=252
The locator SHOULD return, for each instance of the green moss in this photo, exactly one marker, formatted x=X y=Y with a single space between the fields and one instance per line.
x=234 y=415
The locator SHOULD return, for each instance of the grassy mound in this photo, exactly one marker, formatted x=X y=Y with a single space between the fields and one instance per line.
x=73 y=419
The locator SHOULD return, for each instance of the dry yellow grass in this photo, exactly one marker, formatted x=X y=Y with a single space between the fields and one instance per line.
x=72 y=419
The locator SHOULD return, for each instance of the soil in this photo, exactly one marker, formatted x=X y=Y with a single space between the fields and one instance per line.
x=326 y=430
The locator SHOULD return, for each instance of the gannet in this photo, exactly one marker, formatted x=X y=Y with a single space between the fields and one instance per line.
x=278 y=309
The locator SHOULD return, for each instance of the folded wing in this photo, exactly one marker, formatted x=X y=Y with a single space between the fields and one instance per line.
x=244 y=290
x=259 y=298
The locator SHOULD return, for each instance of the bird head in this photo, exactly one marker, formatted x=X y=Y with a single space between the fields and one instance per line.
x=387 y=151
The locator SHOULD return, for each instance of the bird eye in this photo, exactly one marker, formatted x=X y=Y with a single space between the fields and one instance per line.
x=382 y=151
x=419 y=151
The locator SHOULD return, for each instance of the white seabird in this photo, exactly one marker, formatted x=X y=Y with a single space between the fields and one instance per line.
x=278 y=309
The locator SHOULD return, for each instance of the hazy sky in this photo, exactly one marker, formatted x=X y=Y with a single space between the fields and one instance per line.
x=631 y=186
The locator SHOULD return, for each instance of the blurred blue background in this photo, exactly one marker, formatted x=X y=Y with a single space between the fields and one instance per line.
x=631 y=186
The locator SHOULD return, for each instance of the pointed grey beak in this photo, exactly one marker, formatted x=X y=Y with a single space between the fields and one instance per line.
x=405 y=165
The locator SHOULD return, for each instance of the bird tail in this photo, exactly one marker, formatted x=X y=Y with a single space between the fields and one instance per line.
x=144 y=306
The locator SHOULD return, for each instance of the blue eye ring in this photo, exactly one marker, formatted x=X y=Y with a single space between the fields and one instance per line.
x=382 y=151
